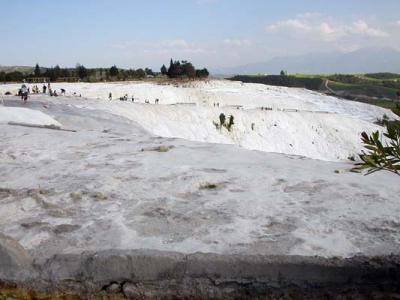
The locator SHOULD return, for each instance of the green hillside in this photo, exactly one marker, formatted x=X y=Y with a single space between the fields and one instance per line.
x=377 y=88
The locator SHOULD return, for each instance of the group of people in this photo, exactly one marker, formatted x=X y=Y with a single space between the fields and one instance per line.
x=24 y=91
x=35 y=89
x=125 y=98
x=266 y=108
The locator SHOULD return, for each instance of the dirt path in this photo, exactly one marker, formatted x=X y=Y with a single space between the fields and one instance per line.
x=328 y=88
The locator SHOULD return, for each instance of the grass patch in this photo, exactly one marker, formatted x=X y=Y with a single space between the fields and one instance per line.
x=208 y=186
x=369 y=90
x=378 y=89
x=300 y=75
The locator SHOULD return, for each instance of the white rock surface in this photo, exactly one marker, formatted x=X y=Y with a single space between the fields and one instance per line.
x=25 y=115
x=302 y=122
x=114 y=185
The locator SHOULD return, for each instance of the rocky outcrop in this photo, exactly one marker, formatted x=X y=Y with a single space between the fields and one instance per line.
x=147 y=274
x=15 y=262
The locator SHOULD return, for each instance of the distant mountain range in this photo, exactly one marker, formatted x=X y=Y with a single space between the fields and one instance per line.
x=22 y=69
x=366 y=60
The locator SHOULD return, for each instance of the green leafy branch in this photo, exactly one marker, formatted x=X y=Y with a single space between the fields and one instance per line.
x=378 y=156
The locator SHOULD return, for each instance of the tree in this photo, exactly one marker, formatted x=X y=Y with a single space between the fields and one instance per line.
x=65 y=72
x=131 y=73
x=203 y=73
x=178 y=69
x=37 y=70
x=114 y=71
x=81 y=71
x=380 y=156
x=149 y=71
x=140 y=73
x=174 y=69
x=283 y=73
x=164 y=70
x=50 y=73
x=188 y=70
x=57 y=72
x=122 y=75
x=14 y=76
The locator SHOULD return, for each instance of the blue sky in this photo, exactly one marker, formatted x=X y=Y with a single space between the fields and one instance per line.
x=211 y=33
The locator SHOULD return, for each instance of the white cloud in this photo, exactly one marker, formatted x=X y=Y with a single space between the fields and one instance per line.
x=305 y=33
x=172 y=44
x=162 y=50
x=291 y=24
x=237 y=42
x=317 y=26
x=362 y=28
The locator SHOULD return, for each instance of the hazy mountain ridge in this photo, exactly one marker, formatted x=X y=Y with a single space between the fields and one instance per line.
x=366 y=60
x=22 y=69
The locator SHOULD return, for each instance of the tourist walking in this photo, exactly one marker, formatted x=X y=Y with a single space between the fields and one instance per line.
x=24 y=93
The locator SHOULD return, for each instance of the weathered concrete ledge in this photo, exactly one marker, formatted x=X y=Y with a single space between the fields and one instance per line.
x=148 y=274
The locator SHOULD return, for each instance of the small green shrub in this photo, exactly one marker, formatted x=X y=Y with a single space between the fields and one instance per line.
x=217 y=126
x=383 y=121
x=222 y=122
x=352 y=158
x=208 y=186
x=222 y=119
x=378 y=156
x=230 y=123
